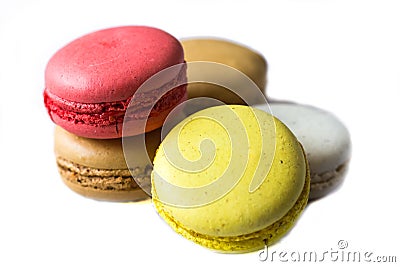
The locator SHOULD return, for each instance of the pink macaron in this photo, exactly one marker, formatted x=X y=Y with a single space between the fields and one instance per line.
x=90 y=82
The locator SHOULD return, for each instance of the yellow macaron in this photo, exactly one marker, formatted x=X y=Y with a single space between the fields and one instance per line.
x=230 y=178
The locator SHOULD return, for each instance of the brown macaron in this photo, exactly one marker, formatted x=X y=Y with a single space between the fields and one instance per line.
x=232 y=54
x=96 y=168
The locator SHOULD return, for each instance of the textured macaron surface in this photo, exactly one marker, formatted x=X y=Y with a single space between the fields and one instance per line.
x=109 y=65
x=240 y=211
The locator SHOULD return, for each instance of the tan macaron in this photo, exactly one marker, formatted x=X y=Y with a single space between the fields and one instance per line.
x=96 y=168
x=235 y=55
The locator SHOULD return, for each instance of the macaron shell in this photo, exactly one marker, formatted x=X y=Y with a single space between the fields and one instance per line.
x=103 y=153
x=97 y=169
x=229 y=53
x=238 y=212
x=109 y=65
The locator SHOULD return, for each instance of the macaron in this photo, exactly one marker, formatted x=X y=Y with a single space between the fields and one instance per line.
x=96 y=168
x=326 y=142
x=230 y=178
x=230 y=53
x=90 y=82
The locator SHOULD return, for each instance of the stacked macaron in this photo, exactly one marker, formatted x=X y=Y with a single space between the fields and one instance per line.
x=90 y=85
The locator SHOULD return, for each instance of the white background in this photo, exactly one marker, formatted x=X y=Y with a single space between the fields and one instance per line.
x=343 y=56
